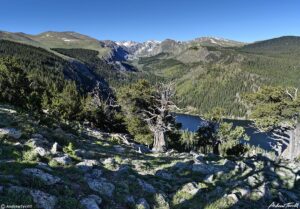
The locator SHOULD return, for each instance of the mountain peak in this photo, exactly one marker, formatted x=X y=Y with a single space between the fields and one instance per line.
x=216 y=41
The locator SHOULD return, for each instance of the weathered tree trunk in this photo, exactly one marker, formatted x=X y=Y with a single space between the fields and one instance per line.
x=159 y=144
x=292 y=150
x=159 y=120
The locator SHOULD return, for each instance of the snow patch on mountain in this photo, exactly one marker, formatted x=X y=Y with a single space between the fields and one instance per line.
x=136 y=49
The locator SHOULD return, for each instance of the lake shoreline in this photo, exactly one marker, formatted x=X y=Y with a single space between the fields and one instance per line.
x=264 y=140
x=225 y=117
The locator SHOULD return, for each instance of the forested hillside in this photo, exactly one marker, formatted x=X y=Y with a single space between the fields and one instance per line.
x=48 y=67
x=287 y=45
x=39 y=81
x=208 y=77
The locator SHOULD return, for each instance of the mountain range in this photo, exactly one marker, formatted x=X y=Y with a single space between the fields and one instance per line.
x=107 y=48
x=208 y=72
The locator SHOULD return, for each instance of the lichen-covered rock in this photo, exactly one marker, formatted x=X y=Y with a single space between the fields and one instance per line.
x=229 y=164
x=232 y=199
x=94 y=173
x=206 y=168
x=37 y=135
x=259 y=192
x=183 y=166
x=91 y=202
x=187 y=192
x=37 y=142
x=119 y=148
x=108 y=161
x=241 y=191
x=63 y=160
x=146 y=186
x=41 y=151
x=55 y=148
x=256 y=179
x=160 y=202
x=10 y=132
x=101 y=185
x=43 y=200
x=164 y=174
x=80 y=153
x=44 y=166
x=142 y=204
x=209 y=178
x=191 y=188
x=87 y=165
x=252 y=181
x=287 y=177
x=47 y=178
x=129 y=199
x=39 y=145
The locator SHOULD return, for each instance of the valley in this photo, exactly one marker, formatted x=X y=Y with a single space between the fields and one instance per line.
x=89 y=124
x=219 y=71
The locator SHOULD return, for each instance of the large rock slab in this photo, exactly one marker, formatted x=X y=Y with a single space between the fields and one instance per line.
x=119 y=148
x=91 y=202
x=11 y=132
x=63 y=160
x=39 y=145
x=146 y=186
x=287 y=176
x=37 y=141
x=87 y=165
x=101 y=185
x=47 y=178
x=161 y=201
x=164 y=175
x=94 y=173
x=43 y=200
x=206 y=168
x=142 y=204
x=190 y=188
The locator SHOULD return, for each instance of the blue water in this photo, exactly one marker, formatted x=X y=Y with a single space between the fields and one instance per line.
x=257 y=138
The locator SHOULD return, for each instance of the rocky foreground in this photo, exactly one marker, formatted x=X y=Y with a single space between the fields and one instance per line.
x=53 y=166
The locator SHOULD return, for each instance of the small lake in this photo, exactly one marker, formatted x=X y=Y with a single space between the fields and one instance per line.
x=261 y=139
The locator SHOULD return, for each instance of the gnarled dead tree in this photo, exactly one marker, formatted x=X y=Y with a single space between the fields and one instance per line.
x=159 y=118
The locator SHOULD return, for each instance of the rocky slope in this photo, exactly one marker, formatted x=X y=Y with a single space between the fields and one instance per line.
x=50 y=165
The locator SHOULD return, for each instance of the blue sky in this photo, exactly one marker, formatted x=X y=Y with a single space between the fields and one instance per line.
x=139 y=20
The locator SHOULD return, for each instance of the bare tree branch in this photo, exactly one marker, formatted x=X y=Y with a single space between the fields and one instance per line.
x=293 y=95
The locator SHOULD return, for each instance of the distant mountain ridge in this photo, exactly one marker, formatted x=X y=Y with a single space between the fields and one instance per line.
x=123 y=50
x=111 y=49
